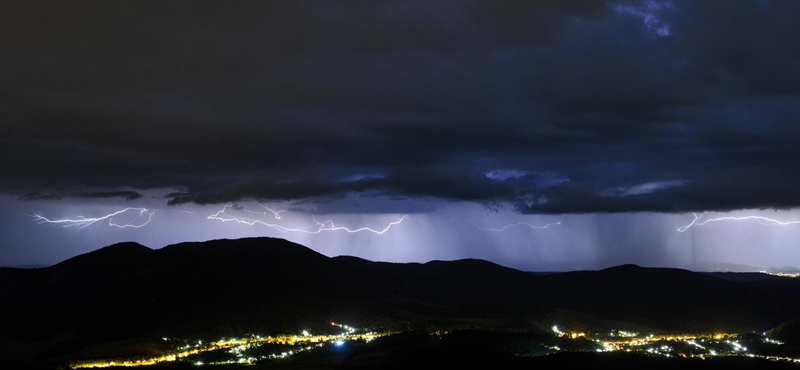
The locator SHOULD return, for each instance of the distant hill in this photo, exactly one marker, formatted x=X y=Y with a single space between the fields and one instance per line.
x=712 y=266
x=743 y=276
x=269 y=285
x=788 y=331
x=34 y=266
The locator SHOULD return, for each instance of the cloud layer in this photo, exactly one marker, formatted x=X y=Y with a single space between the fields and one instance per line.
x=593 y=106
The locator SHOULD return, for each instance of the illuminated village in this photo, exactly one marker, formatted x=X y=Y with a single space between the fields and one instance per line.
x=249 y=351
x=239 y=348
x=695 y=345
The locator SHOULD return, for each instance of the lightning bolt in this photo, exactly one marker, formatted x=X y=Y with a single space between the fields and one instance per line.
x=518 y=224
x=81 y=222
x=315 y=228
x=332 y=227
x=277 y=214
x=761 y=219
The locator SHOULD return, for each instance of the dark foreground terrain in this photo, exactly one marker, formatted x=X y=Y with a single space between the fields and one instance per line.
x=461 y=349
x=120 y=301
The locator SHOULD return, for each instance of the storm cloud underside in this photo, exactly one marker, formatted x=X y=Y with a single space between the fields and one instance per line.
x=529 y=109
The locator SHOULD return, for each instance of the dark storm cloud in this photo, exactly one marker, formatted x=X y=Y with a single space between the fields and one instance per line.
x=126 y=194
x=401 y=183
x=662 y=106
x=37 y=196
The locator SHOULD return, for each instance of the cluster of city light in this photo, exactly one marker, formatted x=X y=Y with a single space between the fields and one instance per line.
x=623 y=333
x=348 y=329
x=293 y=352
x=237 y=346
x=633 y=342
x=761 y=219
x=80 y=222
x=315 y=228
x=782 y=274
x=693 y=343
x=241 y=357
x=572 y=335
x=771 y=341
x=736 y=346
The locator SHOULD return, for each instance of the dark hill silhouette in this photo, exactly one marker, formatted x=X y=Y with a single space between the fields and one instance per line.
x=112 y=253
x=668 y=298
x=269 y=285
x=745 y=276
x=788 y=331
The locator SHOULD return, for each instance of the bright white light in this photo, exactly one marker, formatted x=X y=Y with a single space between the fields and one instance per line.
x=760 y=219
x=519 y=224
x=315 y=228
x=339 y=343
x=81 y=222
x=277 y=214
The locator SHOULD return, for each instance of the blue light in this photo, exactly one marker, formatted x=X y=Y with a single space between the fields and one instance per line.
x=339 y=343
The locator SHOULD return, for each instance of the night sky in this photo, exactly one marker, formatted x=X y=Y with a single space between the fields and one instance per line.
x=601 y=125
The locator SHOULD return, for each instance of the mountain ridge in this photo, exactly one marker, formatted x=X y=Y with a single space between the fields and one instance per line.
x=270 y=285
